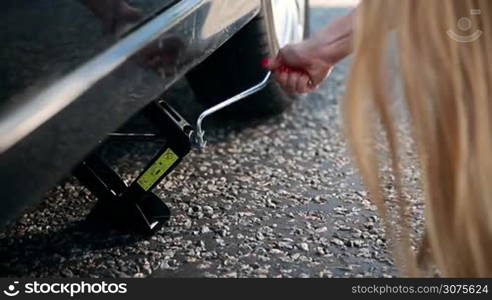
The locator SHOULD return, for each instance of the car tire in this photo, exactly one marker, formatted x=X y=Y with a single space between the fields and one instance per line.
x=236 y=66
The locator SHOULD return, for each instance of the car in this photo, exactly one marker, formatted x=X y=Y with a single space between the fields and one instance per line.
x=75 y=71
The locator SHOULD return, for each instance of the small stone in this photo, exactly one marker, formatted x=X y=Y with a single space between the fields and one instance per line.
x=231 y=275
x=337 y=242
x=205 y=229
x=295 y=256
x=275 y=251
x=67 y=273
x=212 y=188
x=304 y=246
x=208 y=210
x=220 y=241
x=188 y=224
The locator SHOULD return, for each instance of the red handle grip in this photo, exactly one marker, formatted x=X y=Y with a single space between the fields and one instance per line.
x=265 y=62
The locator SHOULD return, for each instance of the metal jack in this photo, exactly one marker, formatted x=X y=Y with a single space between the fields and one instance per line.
x=135 y=207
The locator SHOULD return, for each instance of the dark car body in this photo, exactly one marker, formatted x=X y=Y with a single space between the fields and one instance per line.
x=70 y=77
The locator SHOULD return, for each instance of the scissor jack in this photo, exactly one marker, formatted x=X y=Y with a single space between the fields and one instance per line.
x=134 y=207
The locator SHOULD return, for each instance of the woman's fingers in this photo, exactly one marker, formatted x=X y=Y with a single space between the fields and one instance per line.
x=282 y=78
x=302 y=85
x=292 y=82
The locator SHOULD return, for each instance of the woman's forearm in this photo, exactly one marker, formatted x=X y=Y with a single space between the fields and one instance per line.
x=334 y=42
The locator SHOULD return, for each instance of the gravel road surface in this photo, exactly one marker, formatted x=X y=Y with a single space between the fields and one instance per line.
x=280 y=199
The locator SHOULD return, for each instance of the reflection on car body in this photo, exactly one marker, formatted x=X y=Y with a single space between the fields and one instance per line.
x=72 y=65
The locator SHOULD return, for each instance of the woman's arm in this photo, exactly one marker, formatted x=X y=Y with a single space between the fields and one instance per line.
x=316 y=56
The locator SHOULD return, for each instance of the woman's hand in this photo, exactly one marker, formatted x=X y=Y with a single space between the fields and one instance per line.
x=298 y=69
x=302 y=67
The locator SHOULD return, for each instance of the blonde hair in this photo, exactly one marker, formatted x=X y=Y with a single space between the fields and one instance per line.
x=446 y=81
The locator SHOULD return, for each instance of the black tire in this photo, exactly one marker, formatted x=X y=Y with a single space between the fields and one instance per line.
x=236 y=66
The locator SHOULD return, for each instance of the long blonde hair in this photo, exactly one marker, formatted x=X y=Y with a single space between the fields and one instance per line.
x=445 y=68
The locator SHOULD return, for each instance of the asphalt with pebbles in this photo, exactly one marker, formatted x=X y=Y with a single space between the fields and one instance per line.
x=279 y=199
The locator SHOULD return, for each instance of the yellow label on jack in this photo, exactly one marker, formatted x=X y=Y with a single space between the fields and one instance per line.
x=157 y=169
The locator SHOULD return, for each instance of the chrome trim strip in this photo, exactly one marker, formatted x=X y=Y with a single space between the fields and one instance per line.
x=24 y=119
